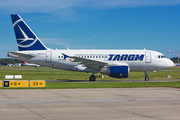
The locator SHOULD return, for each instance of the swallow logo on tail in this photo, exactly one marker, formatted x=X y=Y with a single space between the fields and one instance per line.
x=26 y=39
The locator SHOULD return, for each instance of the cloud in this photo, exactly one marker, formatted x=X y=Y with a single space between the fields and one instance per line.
x=173 y=51
x=40 y=6
x=74 y=9
x=89 y=39
x=57 y=41
x=48 y=6
x=61 y=43
x=134 y=3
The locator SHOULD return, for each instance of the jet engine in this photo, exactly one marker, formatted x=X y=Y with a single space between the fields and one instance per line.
x=116 y=71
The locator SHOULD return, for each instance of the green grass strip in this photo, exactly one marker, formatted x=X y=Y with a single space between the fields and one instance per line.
x=69 y=75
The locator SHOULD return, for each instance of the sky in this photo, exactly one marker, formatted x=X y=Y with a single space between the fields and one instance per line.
x=95 y=24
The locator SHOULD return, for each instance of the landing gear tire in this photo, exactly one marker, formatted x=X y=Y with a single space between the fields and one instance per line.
x=147 y=79
x=146 y=76
x=92 y=78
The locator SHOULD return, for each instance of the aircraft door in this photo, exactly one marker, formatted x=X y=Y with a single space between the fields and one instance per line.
x=105 y=57
x=48 y=57
x=148 y=57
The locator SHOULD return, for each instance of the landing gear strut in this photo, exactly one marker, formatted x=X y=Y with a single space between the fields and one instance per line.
x=92 y=78
x=146 y=76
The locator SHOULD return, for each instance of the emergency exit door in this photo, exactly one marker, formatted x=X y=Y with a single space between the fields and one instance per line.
x=148 y=57
x=48 y=57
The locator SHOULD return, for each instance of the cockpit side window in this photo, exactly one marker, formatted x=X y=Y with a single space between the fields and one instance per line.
x=161 y=56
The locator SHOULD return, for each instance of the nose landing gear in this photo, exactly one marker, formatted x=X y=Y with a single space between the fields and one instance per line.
x=146 y=76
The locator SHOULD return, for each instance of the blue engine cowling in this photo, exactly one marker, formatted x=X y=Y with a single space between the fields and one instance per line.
x=117 y=71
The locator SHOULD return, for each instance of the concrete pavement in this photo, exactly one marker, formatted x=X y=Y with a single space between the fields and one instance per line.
x=90 y=104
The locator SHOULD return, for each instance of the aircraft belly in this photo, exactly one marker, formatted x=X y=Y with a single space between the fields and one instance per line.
x=142 y=67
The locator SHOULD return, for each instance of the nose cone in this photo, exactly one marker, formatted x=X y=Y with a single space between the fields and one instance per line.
x=169 y=63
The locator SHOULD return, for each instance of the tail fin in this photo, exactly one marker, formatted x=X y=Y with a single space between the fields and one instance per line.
x=26 y=39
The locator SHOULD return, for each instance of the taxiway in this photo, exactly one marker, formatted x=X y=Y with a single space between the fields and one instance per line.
x=90 y=104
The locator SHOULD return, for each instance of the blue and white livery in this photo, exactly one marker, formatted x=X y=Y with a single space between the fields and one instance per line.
x=25 y=37
x=115 y=63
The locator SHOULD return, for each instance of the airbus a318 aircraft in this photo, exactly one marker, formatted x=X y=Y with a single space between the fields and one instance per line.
x=115 y=63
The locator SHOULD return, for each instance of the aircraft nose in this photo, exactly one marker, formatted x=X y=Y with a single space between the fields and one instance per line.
x=170 y=63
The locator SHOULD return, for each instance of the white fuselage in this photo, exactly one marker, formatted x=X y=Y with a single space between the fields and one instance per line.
x=149 y=61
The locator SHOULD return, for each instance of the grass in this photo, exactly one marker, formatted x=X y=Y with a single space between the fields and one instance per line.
x=174 y=68
x=43 y=73
x=29 y=73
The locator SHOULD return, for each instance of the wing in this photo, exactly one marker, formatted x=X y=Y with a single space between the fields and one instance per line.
x=89 y=62
x=22 y=55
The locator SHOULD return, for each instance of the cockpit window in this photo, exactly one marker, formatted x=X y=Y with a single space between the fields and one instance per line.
x=161 y=56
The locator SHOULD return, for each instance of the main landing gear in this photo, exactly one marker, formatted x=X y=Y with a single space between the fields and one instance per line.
x=146 y=76
x=92 y=78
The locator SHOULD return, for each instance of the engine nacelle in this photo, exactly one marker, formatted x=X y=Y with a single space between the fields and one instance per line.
x=116 y=71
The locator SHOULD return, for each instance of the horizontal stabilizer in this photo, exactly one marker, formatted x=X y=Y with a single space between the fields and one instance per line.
x=27 y=56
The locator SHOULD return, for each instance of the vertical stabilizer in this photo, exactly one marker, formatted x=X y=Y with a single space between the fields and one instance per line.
x=26 y=39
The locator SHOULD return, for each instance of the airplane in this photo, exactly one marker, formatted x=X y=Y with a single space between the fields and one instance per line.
x=115 y=63
x=30 y=64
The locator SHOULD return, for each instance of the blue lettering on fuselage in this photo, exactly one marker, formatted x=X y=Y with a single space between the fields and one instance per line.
x=110 y=57
x=124 y=57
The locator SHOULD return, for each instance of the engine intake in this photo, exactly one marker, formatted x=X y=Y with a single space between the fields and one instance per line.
x=116 y=71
